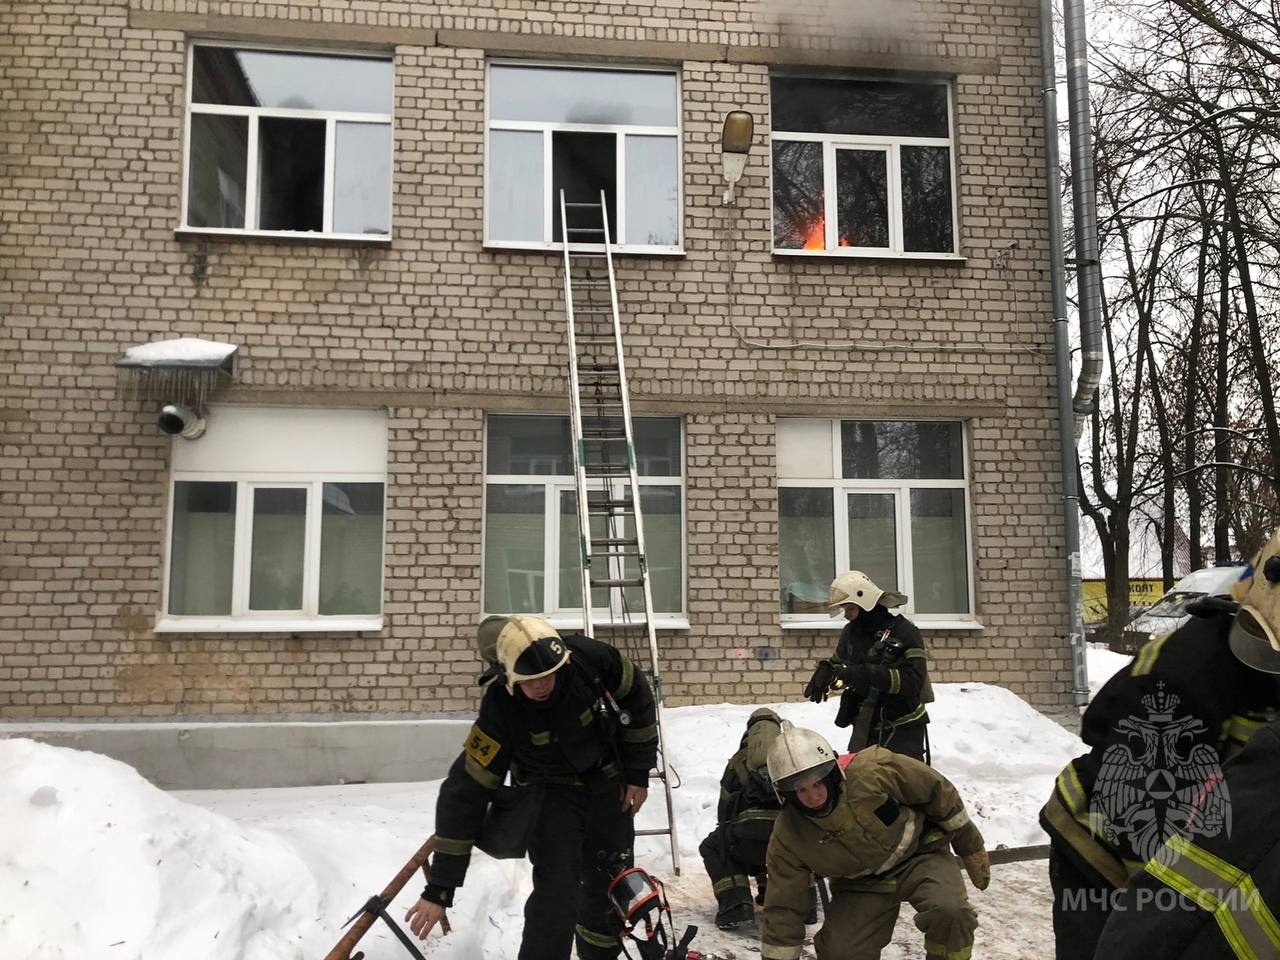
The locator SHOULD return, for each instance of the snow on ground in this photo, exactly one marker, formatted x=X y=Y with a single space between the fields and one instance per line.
x=97 y=863
x=1103 y=663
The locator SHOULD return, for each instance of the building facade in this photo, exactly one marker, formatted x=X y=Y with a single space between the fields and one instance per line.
x=850 y=366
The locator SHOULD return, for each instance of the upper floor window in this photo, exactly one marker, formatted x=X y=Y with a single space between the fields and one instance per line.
x=887 y=497
x=284 y=143
x=276 y=522
x=532 y=556
x=862 y=168
x=582 y=130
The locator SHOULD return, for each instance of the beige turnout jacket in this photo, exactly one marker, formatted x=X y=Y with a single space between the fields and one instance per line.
x=890 y=806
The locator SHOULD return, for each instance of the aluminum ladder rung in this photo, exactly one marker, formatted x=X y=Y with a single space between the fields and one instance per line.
x=619 y=582
x=577 y=204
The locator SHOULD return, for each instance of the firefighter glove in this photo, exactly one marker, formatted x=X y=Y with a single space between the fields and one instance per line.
x=818 y=685
x=857 y=678
x=978 y=866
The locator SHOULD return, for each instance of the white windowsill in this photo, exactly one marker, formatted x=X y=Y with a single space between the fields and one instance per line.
x=618 y=249
x=667 y=622
x=268 y=625
x=874 y=255
x=230 y=233
x=837 y=623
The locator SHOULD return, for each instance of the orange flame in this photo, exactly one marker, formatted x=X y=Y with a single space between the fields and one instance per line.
x=816 y=238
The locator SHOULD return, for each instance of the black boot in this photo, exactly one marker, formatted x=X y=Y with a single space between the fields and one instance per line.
x=735 y=915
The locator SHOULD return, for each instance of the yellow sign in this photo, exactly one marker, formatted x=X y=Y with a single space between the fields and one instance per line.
x=481 y=747
x=1142 y=593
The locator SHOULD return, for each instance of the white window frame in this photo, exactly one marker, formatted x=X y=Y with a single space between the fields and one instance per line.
x=832 y=142
x=553 y=486
x=841 y=487
x=331 y=118
x=621 y=131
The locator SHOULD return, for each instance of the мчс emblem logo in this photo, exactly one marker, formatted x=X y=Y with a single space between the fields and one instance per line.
x=1160 y=783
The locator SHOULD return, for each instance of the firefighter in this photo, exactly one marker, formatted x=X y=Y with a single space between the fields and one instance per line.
x=1159 y=732
x=879 y=665
x=879 y=828
x=574 y=722
x=1213 y=897
x=734 y=851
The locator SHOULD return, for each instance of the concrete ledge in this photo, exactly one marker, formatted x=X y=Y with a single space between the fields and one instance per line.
x=217 y=755
x=215 y=26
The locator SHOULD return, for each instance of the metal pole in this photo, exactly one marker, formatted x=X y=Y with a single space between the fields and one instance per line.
x=1062 y=346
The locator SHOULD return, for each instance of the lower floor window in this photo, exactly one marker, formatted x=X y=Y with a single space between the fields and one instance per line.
x=276 y=520
x=241 y=547
x=532 y=550
x=888 y=498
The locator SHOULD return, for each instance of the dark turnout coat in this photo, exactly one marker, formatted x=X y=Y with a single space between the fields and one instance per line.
x=576 y=739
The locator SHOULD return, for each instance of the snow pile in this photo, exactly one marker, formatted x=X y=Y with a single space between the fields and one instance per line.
x=183 y=351
x=97 y=863
x=1102 y=664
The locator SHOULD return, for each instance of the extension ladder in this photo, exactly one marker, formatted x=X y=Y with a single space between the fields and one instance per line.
x=610 y=525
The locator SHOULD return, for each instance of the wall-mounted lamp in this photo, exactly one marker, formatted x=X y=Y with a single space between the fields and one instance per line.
x=735 y=141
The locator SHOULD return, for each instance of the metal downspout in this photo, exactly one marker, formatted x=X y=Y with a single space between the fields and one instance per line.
x=1085 y=211
x=1068 y=418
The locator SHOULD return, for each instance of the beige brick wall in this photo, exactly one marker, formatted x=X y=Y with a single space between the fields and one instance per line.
x=439 y=331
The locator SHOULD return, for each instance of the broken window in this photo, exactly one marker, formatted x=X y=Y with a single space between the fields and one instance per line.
x=862 y=167
x=585 y=132
x=288 y=142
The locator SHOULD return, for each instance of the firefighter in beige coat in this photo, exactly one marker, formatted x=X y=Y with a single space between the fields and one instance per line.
x=878 y=829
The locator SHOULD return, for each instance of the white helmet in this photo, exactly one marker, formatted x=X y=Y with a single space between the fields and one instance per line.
x=1255 y=634
x=798 y=754
x=857 y=588
x=528 y=648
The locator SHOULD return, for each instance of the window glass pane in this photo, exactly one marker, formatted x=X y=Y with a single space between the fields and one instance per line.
x=295 y=81
x=559 y=95
x=806 y=548
x=939 y=558
x=902 y=450
x=529 y=445
x=653 y=203
x=515 y=196
x=570 y=559
x=660 y=508
x=514 y=535
x=860 y=107
x=279 y=542
x=804 y=450
x=926 y=199
x=862 y=198
x=362 y=178
x=290 y=174
x=657 y=442
x=219 y=152
x=202 y=552
x=582 y=165
x=351 y=549
x=798 y=218
x=873 y=538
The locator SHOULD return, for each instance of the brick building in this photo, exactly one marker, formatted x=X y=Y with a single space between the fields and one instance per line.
x=852 y=366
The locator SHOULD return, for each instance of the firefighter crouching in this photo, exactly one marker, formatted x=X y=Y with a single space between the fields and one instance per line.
x=574 y=724
x=1159 y=732
x=878 y=829
x=881 y=667
x=735 y=850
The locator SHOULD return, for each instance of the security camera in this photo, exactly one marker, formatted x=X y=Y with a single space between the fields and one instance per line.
x=175 y=419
